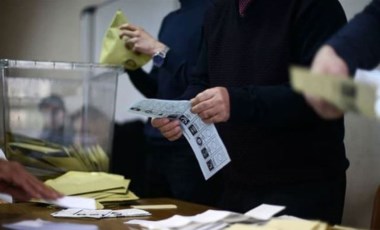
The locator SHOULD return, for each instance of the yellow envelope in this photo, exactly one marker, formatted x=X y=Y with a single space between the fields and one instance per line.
x=284 y=224
x=73 y=182
x=113 y=48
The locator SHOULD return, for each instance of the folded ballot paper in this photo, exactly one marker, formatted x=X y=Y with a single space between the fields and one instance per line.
x=113 y=48
x=105 y=188
x=211 y=219
x=360 y=95
x=203 y=138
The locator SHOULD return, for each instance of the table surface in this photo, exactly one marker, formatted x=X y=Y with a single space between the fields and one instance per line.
x=10 y=213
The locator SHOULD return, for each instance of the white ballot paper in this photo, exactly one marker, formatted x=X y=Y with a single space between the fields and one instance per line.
x=48 y=225
x=203 y=138
x=97 y=214
x=211 y=219
x=74 y=202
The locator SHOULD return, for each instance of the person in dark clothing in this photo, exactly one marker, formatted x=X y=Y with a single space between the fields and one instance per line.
x=355 y=46
x=172 y=167
x=56 y=127
x=281 y=151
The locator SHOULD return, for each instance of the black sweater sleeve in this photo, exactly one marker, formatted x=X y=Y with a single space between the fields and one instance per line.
x=359 y=42
x=279 y=105
x=144 y=82
x=198 y=75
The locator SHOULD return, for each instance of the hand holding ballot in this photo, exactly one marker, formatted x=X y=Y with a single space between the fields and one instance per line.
x=16 y=181
x=212 y=105
x=360 y=95
x=170 y=129
x=139 y=41
x=327 y=62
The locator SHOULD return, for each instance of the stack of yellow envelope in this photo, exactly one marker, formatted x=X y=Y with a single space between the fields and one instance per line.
x=48 y=160
x=105 y=188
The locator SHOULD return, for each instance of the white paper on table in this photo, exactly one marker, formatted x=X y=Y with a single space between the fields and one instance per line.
x=210 y=219
x=210 y=216
x=48 y=225
x=97 y=214
x=203 y=138
x=176 y=221
x=74 y=202
x=264 y=211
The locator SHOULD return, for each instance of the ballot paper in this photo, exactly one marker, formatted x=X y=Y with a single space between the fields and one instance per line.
x=203 y=138
x=360 y=96
x=74 y=202
x=265 y=211
x=97 y=214
x=211 y=219
x=48 y=225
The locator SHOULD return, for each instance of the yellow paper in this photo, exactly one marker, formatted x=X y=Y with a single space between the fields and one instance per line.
x=345 y=94
x=299 y=224
x=37 y=148
x=113 y=48
x=118 y=198
x=73 y=183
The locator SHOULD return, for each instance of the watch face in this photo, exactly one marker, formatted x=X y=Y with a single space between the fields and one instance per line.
x=158 y=60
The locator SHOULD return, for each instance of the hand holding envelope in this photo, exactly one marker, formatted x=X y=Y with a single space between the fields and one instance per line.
x=113 y=48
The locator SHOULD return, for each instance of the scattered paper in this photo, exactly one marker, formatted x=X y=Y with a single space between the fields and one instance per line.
x=210 y=219
x=48 y=225
x=97 y=214
x=265 y=211
x=203 y=138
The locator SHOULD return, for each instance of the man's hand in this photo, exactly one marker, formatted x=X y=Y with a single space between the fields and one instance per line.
x=327 y=62
x=212 y=105
x=139 y=41
x=17 y=182
x=171 y=129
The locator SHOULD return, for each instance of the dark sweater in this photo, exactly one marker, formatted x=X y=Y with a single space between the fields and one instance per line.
x=359 y=42
x=272 y=136
x=181 y=31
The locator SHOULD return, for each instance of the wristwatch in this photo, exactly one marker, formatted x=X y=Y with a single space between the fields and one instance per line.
x=159 y=57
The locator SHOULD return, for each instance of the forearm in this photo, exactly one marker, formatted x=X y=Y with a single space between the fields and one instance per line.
x=358 y=43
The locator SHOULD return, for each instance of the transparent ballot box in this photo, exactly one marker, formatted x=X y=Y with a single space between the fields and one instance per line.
x=57 y=116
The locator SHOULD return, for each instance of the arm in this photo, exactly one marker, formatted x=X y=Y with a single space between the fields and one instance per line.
x=176 y=63
x=17 y=182
x=277 y=105
x=144 y=82
x=358 y=43
x=171 y=129
x=355 y=46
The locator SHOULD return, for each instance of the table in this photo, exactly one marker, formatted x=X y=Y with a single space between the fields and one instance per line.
x=10 y=213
